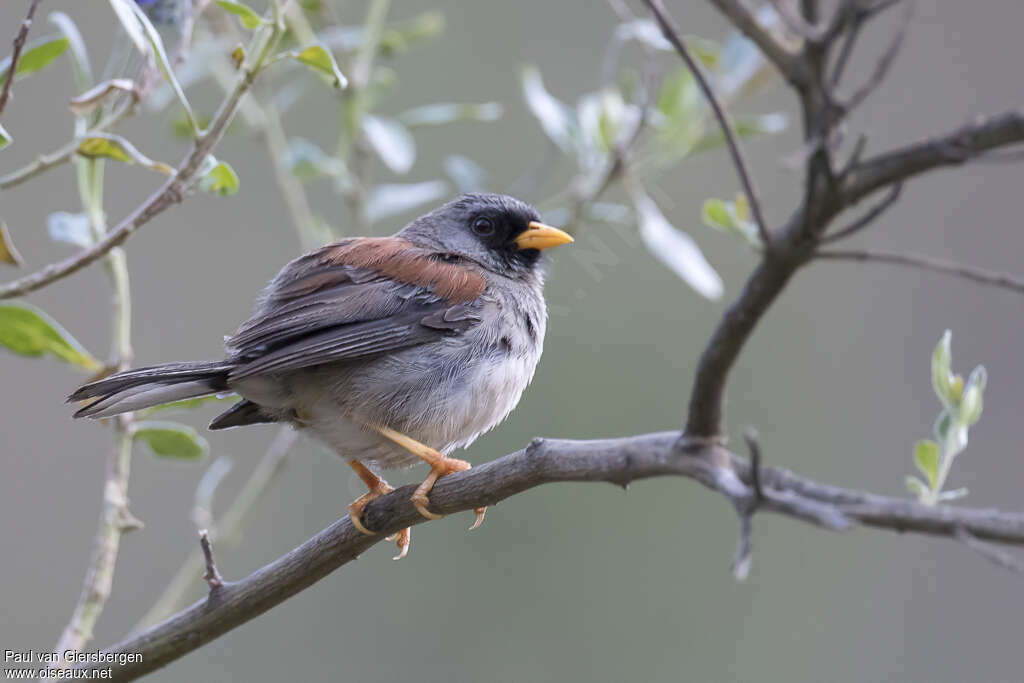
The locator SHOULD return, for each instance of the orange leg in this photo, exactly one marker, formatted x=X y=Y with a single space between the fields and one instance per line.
x=440 y=465
x=378 y=487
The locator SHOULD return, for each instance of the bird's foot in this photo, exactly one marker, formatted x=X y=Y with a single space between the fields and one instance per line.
x=440 y=465
x=378 y=487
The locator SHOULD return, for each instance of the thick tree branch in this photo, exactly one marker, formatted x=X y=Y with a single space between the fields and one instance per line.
x=19 y=45
x=618 y=461
x=962 y=145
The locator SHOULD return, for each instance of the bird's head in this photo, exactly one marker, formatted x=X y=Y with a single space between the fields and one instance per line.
x=498 y=232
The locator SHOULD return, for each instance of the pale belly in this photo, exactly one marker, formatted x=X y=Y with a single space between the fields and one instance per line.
x=444 y=409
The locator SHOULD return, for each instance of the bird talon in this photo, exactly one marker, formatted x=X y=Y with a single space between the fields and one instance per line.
x=421 y=507
x=480 y=512
x=401 y=539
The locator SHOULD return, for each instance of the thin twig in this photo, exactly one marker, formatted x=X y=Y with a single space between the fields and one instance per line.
x=212 y=576
x=800 y=26
x=226 y=529
x=171 y=192
x=115 y=518
x=996 y=556
x=754 y=447
x=884 y=62
x=985 y=277
x=545 y=461
x=44 y=162
x=868 y=218
x=19 y=44
x=746 y=508
x=785 y=58
x=672 y=36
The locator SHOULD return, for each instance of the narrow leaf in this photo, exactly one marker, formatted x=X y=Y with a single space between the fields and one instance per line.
x=157 y=50
x=36 y=58
x=953 y=494
x=942 y=376
x=555 y=118
x=467 y=175
x=8 y=254
x=124 y=9
x=320 y=59
x=926 y=457
x=93 y=98
x=306 y=161
x=71 y=228
x=5 y=138
x=971 y=403
x=221 y=179
x=28 y=331
x=392 y=142
x=392 y=199
x=97 y=148
x=79 y=54
x=171 y=440
x=449 y=112
x=246 y=15
x=676 y=249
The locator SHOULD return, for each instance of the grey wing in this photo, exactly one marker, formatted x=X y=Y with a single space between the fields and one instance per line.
x=312 y=316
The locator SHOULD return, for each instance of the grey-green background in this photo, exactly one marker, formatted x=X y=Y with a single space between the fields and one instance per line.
x=568 y=582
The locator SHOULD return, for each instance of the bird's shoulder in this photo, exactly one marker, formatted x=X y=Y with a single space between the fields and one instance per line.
x=362 y=260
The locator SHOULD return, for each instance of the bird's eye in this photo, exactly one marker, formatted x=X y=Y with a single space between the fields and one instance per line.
x=483 y=226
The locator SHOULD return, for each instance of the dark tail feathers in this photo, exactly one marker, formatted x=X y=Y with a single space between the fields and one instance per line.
x=147 y=387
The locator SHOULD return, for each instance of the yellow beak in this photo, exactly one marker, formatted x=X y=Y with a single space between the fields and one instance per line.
x=540 y=236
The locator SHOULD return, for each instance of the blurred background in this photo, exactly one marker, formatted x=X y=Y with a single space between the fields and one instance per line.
x=568 y=582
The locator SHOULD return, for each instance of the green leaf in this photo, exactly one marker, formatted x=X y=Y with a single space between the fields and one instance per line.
x=321 y=60
x=36 y=58
x=942 y=425
x=192 y=403
x=971 y=403
x=8 y=254
x=248 y=17
x=97 y=148
x=715 y=214
x=171 y=440
x=221 y=179
x=926 y=457
x=675 y=249
x=28 y=331
x=392 y=142
x=5 y=138
x=916 y=487
x=942 y=375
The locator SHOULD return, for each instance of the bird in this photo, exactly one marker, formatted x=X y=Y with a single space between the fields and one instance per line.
x=389 y=350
